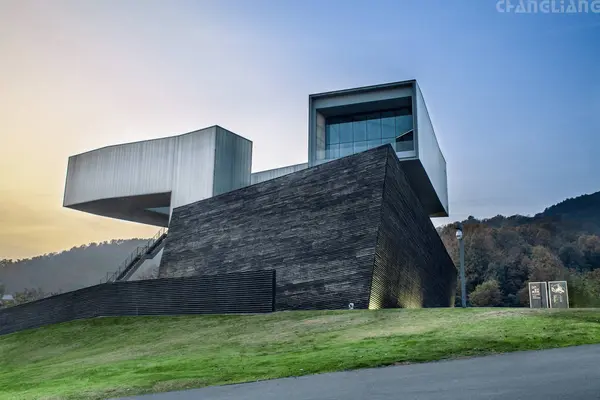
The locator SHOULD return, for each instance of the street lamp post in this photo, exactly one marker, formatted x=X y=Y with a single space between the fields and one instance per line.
x=463 y=285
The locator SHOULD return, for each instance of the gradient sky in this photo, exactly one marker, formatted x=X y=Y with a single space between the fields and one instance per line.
x=514 y=98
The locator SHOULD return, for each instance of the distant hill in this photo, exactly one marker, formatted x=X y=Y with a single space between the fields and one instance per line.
x=68 y=270
x=580 y=213
x=585 y=206
x=562 y=242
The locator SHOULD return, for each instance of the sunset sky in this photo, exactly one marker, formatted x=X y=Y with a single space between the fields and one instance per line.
x=514 y=98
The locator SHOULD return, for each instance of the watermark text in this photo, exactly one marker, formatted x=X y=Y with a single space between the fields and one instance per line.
x=548 y=6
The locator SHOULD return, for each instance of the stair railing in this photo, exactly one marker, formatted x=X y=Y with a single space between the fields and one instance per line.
x=139 y=252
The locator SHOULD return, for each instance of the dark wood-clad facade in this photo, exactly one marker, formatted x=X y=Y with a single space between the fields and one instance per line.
x=348 y=231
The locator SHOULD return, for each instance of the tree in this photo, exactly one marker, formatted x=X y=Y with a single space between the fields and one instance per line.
x=590 y=247
x=480 y=250
x=584 y=289
x=487 y=294
x=28 y=295
x=545 y=266
x=571 y=256
x=510 y=277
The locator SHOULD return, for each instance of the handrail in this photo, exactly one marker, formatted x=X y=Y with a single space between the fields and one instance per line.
x=138 y=252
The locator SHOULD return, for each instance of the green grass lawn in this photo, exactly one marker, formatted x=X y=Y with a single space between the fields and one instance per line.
x=112 y=357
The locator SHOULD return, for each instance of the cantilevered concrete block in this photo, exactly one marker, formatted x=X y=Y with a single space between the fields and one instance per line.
x=144 y=181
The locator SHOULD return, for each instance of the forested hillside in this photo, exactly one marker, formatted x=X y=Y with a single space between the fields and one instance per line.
x=502 y=254
x=68 y=270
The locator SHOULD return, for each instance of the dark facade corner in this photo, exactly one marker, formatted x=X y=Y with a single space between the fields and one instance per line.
x=412 y=267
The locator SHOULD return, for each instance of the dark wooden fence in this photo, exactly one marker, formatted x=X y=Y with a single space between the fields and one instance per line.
x=237 y=293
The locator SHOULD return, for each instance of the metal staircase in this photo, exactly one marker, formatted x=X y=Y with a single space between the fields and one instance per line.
x=135 y=260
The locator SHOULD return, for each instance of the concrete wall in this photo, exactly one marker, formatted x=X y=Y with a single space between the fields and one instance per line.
x=194 y=166
x=250 y=292
x=316 y=227
x=121 y=170
x=428 y=150
x=233 y=162
x=262 y=176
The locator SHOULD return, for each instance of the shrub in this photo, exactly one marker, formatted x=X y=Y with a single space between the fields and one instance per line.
x=488 y=294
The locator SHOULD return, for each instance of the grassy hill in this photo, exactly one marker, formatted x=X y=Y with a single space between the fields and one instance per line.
x=112 y=357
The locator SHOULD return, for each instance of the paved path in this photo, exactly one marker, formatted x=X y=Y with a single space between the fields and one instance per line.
x=569 y=373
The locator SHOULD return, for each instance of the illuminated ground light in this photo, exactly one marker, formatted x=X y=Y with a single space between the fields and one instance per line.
x=410 y=300
x=377 y=292
x=410 y=294
x=375 y=303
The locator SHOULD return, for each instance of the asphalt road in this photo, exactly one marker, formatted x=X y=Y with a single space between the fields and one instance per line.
x=569 y=373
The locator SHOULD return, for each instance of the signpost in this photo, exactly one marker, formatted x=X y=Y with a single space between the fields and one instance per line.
x=538 y=295
x=559 y=294
x=553 y=294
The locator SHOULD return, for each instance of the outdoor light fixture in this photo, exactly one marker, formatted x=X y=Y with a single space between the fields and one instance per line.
x=463 y=286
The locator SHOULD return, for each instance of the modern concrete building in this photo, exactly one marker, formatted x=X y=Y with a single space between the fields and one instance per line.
x=151 y=181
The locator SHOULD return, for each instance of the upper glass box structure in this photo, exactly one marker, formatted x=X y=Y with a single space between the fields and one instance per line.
x=349 y=121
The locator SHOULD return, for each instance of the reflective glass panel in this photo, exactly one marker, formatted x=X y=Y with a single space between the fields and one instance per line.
x=405 y=142
x=333 y=134
x=373 y=127
x=359 y=127
x=332 y=151
x=360 y=146
x=388 y=122
x=373 y=143
x=404 y=123
x=350 y=134
x=345 y=149
x=345 y=132
x=388 y=140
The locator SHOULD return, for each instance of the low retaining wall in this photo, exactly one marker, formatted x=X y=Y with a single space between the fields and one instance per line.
x=245 y=292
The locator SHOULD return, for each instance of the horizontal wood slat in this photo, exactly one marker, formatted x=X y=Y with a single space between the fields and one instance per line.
x=316 y=227
x=238 y=293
